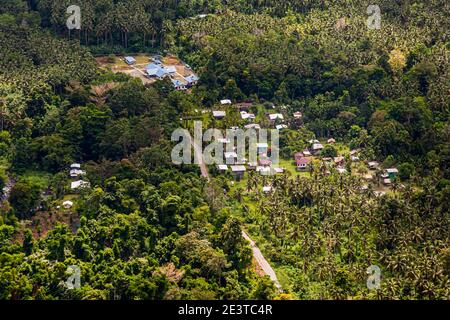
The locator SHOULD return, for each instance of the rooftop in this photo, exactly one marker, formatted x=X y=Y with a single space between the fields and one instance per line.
x=239 y=168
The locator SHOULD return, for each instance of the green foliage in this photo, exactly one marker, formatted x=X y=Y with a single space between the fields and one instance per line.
x=329 y=151
x=405 y=170
x=150 y=230
x=306 y=222
x=24 y=199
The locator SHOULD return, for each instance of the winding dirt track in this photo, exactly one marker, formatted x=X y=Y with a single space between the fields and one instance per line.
x=262 y=262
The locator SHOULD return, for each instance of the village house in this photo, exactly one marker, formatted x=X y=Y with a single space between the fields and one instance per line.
x=262 y=147
x=373 y=165
x=129 y=60
x=219 y=114
x=298 y=155
x=267 y=189
x=80 y=184
x=302 y=163
x=263 y=170
x=275 y=116
x=67 y=204
x=156 y=70
x=298 y=115
x=331 y=141
x=316 y=148
x=75 y=170
x=391 y=173
x=222 y=167
x=281 y=127
x=247 y=116
x=178 y=85
x=75 y=166
x=225 y=102
x=191 y=80
x=306 y=153
x=74 y=173
x=238 y=171
x=339 y=161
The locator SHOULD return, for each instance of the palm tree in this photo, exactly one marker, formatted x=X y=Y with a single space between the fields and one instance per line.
x=99 y=94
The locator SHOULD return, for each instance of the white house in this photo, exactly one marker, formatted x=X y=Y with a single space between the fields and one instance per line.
x=219 y=114
x=317 y=147
x=247 y=116
x=76 y=172
x=80 y=184
x=67 y=204
x=281 y=127
x=75 y=166
x=275 y=116
x=225 y=101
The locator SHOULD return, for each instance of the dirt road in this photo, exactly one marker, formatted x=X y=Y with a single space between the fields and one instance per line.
x=262 y=262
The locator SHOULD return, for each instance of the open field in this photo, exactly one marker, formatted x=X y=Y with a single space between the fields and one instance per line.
x=138 y=70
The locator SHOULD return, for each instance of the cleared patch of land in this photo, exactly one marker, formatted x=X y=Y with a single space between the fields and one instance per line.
x=138 y=69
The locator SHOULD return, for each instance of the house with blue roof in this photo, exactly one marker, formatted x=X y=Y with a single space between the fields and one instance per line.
x=154 y=70
x=130 y=60
x=192 y=80
x=159 y=71
x=178 y=85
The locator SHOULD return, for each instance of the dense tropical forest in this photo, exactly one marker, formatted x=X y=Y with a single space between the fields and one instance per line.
x=148 y=229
